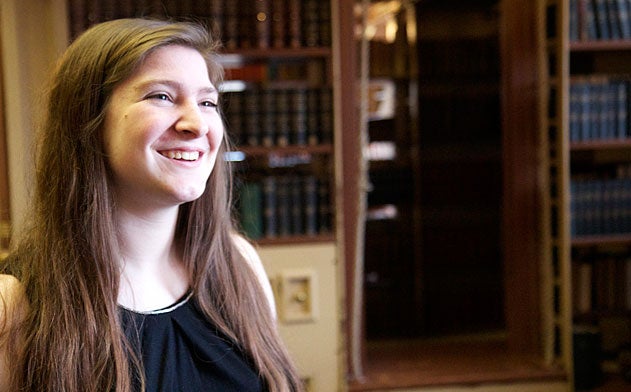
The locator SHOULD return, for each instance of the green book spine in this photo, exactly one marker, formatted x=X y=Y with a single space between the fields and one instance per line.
x=251 y=210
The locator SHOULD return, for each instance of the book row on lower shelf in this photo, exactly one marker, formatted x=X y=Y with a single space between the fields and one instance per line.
x=601 y=283
x=246 y=24
x=280 y=117
x=599 y=108
x=284 y=206
x=601 y=295
x=600 y=19
x=601 y=204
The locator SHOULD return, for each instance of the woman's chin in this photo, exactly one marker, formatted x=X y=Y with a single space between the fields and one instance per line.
x=188 y=195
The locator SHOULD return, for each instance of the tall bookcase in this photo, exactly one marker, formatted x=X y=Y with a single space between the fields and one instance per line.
x=392 y=222
x=460 y=137
x=282 y=106
x=585 y=146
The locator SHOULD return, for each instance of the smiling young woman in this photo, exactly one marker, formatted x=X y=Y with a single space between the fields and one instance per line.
x=130 y=276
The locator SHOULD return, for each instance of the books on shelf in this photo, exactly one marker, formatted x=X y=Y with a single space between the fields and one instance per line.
x=262 y=24
x=600 y=20
x=601 y=283
x=278 y=206
x=599 y=108
x=279 y=117
x=601 y=203
x=248 y=24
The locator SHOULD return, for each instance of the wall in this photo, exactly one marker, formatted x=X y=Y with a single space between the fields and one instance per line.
x=304 y=277
x=32 y=33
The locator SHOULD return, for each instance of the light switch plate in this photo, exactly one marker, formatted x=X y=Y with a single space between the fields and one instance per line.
x=297 y=295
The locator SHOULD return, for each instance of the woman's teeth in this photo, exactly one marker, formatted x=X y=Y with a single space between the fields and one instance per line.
x=183 y=155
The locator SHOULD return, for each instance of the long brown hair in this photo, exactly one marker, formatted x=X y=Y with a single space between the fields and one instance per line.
x=71 y=338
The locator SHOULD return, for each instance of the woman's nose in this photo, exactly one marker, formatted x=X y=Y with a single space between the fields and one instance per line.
x=192 y=120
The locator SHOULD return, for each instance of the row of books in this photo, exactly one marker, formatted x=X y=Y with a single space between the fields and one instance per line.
x=601 y=284
x=241 y=24
x=279 y=117
x=282 y=206
x=599 y=108
x=275 y=23
x=600 y=19
x=600 y=205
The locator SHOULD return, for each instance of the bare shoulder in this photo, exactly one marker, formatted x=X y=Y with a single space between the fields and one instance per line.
x=9 y=282
x=11 y=293
x=246 y=248
x=13 y=304
x=249 y=253
x=254 y=260
x=12 y=308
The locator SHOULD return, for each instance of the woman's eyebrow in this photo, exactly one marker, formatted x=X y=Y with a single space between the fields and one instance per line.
x=208 y=90
x=172 y=84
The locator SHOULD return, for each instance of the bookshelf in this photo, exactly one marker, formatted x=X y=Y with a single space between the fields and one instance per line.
x=586 y=52
x=497 y=154
x=392 y=223
x=460 y=138
x=431 y=191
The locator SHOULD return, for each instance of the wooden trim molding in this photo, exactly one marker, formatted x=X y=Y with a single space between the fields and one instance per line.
x=5 y=204
x=521 y=167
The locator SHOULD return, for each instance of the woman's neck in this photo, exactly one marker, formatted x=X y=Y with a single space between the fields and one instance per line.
x=152 y=272
x=147 y=240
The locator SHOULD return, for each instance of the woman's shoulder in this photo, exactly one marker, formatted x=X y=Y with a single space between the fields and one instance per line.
x=10 y=287
x=253 y=259
x=12 y=309
x=250 y=255
x=12 y=296
x=246 y=248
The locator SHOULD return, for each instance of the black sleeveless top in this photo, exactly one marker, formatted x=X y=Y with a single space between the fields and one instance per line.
x=182 y=351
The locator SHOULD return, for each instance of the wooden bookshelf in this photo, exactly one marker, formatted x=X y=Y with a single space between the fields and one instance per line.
x=588 y=257
x=601 y=145
x=524 y=335
x=460 y=138
x=244 y=55
x=601 y=240
x=600 y=45
x=297 y=239
x=288 y=150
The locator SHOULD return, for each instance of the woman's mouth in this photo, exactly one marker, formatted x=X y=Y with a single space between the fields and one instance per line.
x=181 y=155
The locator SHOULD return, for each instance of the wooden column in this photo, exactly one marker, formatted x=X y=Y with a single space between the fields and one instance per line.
x=521 y=206
x=348 y=165
x=5 y=206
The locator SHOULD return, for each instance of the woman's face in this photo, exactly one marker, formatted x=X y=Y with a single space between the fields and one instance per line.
x=163 y=130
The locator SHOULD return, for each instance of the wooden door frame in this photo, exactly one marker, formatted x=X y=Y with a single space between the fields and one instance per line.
x=5 y=204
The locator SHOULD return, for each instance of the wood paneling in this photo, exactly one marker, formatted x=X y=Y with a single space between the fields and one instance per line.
x=4 y=175
x=520 y=168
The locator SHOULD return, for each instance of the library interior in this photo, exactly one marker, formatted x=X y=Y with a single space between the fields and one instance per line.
x=436 y=188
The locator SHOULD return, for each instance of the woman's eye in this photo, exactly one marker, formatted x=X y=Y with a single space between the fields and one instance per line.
x=160 y=97
x=208 y=104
